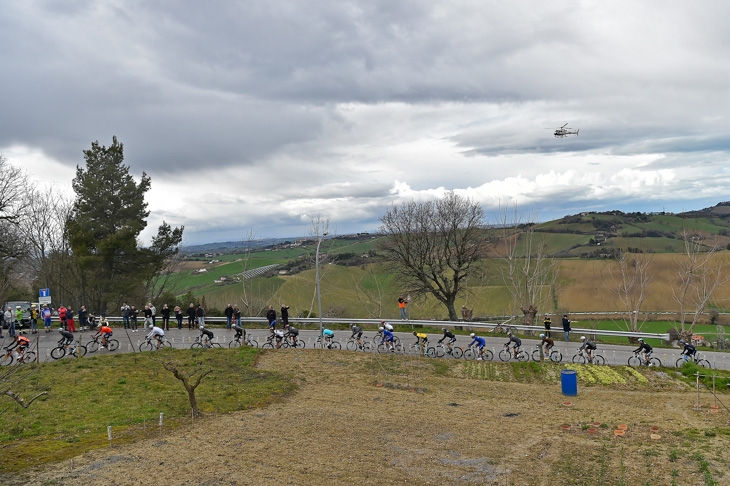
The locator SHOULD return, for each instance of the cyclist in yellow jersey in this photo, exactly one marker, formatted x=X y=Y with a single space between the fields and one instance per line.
x=421 y=341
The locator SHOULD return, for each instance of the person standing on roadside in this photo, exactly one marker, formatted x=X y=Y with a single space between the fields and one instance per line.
x=200 y=315
x=46 y=315
x=165 y=317
x=133 y=318
x=229 y=316
x=70 y=319
x=33 y=319
x=237 y=315
x=191 y=316
x=566 y=327
x=178 y=316
x=153 y=313
x=547 y=323
x=83 y=315
x=271 y=318
x=125 y=315
x=402 y=305
x=62 y=317
x=147 y=317
x=285 y=315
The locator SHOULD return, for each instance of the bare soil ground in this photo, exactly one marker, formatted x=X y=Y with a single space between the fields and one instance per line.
x=427 y=424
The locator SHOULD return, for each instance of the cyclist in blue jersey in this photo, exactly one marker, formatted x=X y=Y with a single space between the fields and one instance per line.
x=480 y=342
x=328 y=336
x=387 y=337
x=688 y=350
x=514 y=340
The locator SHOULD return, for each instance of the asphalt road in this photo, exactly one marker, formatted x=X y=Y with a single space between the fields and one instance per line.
x=183 y=338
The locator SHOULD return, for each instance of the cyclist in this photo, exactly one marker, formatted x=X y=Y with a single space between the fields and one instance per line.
x=105 y=332
x=589 y=346
x=240 y=332
x=689 y=349
x=513 y=339
x=65 y=336
x=451 y=336
x=480 y=342
x=293 y=332
x=356 y=333
x=328 y=337
x=20 y=342
x=646 y=348
x=548 y=343
x=421 y=341
x=387 y=337
x=205 y=335
x=387 y=326
x=279 y=335
x=156 y=333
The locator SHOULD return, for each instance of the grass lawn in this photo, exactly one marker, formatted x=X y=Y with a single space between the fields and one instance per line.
x=128 y=392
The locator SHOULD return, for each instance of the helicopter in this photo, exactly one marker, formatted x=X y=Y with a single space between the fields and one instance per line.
x=563 y=132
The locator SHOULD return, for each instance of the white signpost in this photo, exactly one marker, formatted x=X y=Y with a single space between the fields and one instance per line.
x=44 y=296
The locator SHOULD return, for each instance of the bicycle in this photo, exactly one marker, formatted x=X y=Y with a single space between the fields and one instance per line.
x=473 y=352
x=332 y=344
x=291 y=343
x=354 y=345
x=239 y=341
x=389 y=347
x=148 y=345
x=76 y=349
x=442 y=350
x=204 y=343
x=269 y=344
x=415 y=350
x=555 y=356
x=93 y=345
x=379 y=337
x=640 y=359
x=697 y=360
x=507 y=354
x=22 y=358
x=581 y=358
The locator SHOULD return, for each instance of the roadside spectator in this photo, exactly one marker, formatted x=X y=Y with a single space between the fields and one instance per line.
x=153 y=313
x=271 y=316
x=33 y=319
x=147 y=317
x=229 y=316
x=165 y=317
x=566 y=327
x=125 y=315
x=10 y=319
x=133 y=318
x=178 y=316
x=200 y=315
x=83 y=315
x=2 y=322
x=70 y=319
x=402 y=305
x=62 y=317
x=547 y=323
x=237 y=315
x=191 y=315
x=285 y=315
x=46 y=315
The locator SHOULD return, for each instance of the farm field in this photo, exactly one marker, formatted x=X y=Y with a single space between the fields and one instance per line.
x=355 y=419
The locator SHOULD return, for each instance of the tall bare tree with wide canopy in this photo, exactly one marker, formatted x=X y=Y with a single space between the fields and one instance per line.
x=434 y=245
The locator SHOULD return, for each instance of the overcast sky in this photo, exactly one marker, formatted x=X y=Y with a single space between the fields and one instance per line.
x=258 y=115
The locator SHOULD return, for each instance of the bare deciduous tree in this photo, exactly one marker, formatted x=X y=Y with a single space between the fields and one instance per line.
x=190 y=378
x=434 y=245
x=319 y=228
x=698 y=276
x=630 y=276
x=11 y=378
x=529 y=271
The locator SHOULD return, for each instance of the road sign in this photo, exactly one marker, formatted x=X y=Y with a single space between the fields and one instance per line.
x=44 y=300
x=44 y=293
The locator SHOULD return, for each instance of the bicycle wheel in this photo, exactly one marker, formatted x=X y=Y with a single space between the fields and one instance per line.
x=351 y=345
x=58 y=353
x=165 y=344
x=469 y=354
x=93 y=346
x=556 y=357
x=79 y=351
x=536 y=355
x=679 y=363
x=440 y=350
x=431 y=353
x=579 y=359
x=7 y=359
x=457 y=352
x=414 y=350
x=488 y=355
x=196 y=345
x=28 y=357
x=399 y=349
x=366 y=347
x=112 y=345
x=301 y=344
x=522 y=356
x=704 y=363
x=655 y=362
x=215 y=345
x=253 y=343
x=335 y=345
x=267 y=345
x=234 y=344
x=505 y=355
x=634 y=361
x=599 y=360
x=382 y=348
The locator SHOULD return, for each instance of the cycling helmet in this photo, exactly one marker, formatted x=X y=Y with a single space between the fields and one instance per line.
x=641 y=339
x=382 y=322
x=415 y=333
x=509 y=334
x=682 y=341
x=201 y=327
x=380 y=329
x=443 y=329
x=582 y=338
x=472 y=335
x=60 y=329
x=542 y=335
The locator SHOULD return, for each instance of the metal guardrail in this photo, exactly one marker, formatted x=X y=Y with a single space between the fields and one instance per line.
x=430 y=323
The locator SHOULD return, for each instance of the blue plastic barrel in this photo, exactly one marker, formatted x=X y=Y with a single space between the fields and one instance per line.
x=569 y=381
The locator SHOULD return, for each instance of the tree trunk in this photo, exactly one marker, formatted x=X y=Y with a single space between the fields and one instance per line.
x=193 y=400
x=453 y=316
